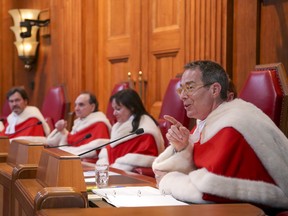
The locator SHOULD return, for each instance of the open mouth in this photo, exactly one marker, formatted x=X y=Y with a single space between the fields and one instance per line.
x=186 y=105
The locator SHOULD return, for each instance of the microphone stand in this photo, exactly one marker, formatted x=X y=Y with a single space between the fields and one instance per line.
x=138 y=131
x=33 y=125
x=87 y=136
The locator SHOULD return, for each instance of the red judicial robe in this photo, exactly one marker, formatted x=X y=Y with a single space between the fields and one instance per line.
x=95 y=124
x=27 y=124
x=135 y=150
x=28 y=127
x=240 y=157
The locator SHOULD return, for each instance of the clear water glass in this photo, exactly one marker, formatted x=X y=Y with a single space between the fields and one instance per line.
x=102 y=175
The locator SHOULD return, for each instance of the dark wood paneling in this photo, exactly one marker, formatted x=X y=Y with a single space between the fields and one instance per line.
x=85 y=49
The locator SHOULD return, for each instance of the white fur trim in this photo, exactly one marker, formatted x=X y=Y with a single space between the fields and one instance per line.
x=168 y=161
x=265 y=138
x=239 y=189
x=130 y=160
x=103 y=156
x=84 y=148
x=180 y=186
x=30 y=112
x=57 y=138
x=120 y=130
x=1 y=126
x=92 y=118
x=269 y=143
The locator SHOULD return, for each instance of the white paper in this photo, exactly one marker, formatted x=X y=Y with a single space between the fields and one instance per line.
x=89 y=180
x=136 y=197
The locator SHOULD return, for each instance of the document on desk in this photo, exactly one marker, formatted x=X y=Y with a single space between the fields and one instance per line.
x=136 y=197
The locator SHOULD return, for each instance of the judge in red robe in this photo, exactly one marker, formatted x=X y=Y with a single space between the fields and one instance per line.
x=235 y=154
x=90 y=127
x=135 y=150
x=24 y=122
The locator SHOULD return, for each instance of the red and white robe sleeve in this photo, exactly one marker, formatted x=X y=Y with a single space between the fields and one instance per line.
x=231 y=162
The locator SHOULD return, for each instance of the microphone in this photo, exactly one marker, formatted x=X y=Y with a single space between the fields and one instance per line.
x=137 y=132
x=87 y=136
x=22 y=129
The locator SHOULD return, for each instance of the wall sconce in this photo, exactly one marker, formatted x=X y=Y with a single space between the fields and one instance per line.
x=26 y=25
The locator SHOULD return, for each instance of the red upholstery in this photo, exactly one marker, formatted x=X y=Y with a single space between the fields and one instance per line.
x=164 y=126
x=118 y=87
x=5 y=111
x=262 y=88
x=284 y=213
x=172 y=105
x=55 y=105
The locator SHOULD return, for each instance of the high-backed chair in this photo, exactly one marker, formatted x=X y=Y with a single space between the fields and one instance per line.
x=172 y=105
x=5 y=111
x=118 y=87
x=267 y=88
x=284 y=213
x=55 y=105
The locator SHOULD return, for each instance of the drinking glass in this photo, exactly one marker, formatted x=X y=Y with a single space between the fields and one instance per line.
x=102 y=175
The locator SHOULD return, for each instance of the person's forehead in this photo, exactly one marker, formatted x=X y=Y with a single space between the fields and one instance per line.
x=83 y=98
x=15 y=95
x=191 y=76
x=114 y=103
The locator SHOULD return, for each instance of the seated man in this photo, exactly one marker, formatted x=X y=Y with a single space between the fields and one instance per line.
x=235 y=154
x=90 y=127
x=24 y=120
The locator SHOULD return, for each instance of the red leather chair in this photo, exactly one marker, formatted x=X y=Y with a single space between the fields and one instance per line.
x=285 y=213
x=171 y=105
x=118 y=87
x=265 y=89
x=55 y=105
x=5 y=111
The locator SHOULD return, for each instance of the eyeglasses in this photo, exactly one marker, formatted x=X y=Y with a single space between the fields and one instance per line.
x=190 y=88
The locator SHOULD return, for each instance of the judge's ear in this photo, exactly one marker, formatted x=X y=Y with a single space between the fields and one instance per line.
x=215 y=89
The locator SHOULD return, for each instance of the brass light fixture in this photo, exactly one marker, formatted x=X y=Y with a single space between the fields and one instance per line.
x=26 y=26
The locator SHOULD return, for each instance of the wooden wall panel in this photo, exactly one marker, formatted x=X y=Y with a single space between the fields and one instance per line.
x=94 y=43
x=274 y=32
x=6 y=50
x=66 y=52
x=119 y=44
x=208 y=26
x=74 y=46
x=14 y=73
x=245 y=37
x=166 y=48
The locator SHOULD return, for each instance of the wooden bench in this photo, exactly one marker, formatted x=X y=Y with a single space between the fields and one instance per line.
x=58 y=183
x=20 y=152
x=4 y=146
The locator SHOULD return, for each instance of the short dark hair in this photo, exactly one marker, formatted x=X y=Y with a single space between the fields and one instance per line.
x=130 y=99
x=211 y=72
x=92 y=99
x=20 y=90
